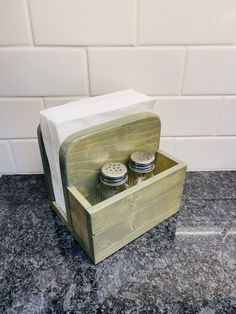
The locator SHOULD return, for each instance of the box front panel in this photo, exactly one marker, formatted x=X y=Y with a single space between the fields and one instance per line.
x=147 y=214
x=109 y=211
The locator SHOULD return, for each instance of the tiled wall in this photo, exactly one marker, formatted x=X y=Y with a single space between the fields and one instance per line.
x=182 y=52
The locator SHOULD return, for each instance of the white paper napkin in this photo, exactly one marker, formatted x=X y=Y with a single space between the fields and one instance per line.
x=57 y=123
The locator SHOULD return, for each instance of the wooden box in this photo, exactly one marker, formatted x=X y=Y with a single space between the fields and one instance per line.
x=102 y=229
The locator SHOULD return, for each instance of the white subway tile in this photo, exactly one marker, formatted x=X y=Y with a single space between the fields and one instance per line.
x=182 y=116
x=153 y=71
x=167 y=144
x=19 y=117
x=187 y=22
x=227 y=117
x=43 y=72
x=6 y=160
x=57 y=101
x=83 y=22
x=207 y=153
x=26 y=155
x=210 y=71
x=13 y=25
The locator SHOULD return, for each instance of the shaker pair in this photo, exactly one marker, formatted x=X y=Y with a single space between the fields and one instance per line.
x=115 y=178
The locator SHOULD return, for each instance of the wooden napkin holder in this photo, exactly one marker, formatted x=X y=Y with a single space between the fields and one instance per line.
x=102 y=229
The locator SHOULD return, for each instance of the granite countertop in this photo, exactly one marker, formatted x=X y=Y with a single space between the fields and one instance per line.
x=187 y=264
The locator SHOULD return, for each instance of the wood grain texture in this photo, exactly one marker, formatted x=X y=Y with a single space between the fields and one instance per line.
x=146 y=217
x=83 y=154
x=164 y=162
x=80 y=221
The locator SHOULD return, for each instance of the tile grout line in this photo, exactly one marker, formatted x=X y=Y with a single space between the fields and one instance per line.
x=112 y=46
x=198 y=97
x=206 y=136
x=29 y=22
x=220 y=111
x=173 y=145
x=88 y=72
x=18 y=139
x=136 y=22
x=12 y=155
x=184 y=72
x=44 y=102
x=159 y=97
x=37 y=97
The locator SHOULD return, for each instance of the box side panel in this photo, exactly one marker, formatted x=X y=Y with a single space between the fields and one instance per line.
x=164 y=162
x=135 y=198
x=80 y=222
x=154 y=210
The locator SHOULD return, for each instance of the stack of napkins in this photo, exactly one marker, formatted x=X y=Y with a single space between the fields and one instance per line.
x=57 y=123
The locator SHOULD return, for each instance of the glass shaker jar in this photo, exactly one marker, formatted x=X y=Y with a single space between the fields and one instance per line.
x=141 y=167
x=113 y=180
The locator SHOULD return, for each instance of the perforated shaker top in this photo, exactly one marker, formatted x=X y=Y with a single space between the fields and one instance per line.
x=142 y=161
x=114 y=173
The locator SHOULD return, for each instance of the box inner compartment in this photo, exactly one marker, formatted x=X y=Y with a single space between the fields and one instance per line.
x=163 y=163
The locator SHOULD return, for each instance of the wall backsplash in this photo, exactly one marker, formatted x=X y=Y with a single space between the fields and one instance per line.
x=182 y=52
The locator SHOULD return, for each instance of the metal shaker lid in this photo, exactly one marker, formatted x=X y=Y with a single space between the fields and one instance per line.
x=114 y=174
x=142 y=161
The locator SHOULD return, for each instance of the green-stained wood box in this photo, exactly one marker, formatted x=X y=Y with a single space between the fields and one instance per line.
x=103 y=228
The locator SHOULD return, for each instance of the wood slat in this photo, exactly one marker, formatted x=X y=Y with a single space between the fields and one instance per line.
x=81 y=225
x=124 y=231
x=83 y=154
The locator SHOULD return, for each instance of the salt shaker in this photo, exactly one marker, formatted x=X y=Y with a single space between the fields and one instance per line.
x=113 y=180
x=141 y=167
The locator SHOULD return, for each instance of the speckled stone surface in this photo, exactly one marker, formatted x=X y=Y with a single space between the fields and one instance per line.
x=187 y=264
